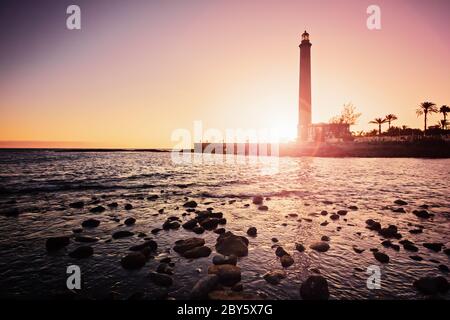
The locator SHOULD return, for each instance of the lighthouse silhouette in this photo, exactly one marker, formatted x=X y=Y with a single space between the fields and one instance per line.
x=304 y=101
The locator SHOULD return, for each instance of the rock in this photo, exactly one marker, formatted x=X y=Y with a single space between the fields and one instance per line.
x=132 y=261
x=423 y=214
x=155 y=230
x=164 y=268
x=220 y=231
x=389 y=232
x=238 y=287
x=286 y=261
x=415 y=231
x=10 y=212
x=382 y=257
x=130 y=221
x=325 y=223
x=151 y=244
x=198 y=230
x=293 y=215
x=315 y=288
x=204 y=286
x=221 y=259
x=320 y=246
x=431 y=285
x=77 y=230
x=400 y=202
x=222 y=221
x=263 y=208
x=252 y=232
x=122 y=234
x=82 y=252
x=160 y=279
x=90 y=223
x=230 y=244
x=128 y=206
x=190 y=204
x=86 y=239
x=398 y=210
x=257 y=200
x=324 y=212
x=416 y=258
x=280 y=252
x=98 y=209
x=373 y=225
x=447 y=251
x=334 y=216
x=443 y=268
x=436 y=247
x=357 y=250
x=181 y=246
x=354 y=208
x=228 y=274
x=77 y=204
x=113 y=205
x=56 y=243
x=170 y=225
x=410 y=247
x=209 y=223
x=274 y=277
x=197 y=252
x=152 y=197
x=189 y=225
x=299 y=247
x=342 y=212
x=274 y=240
x=325 y=238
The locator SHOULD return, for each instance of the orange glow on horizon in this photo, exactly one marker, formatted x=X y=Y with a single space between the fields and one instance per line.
x=131 y=77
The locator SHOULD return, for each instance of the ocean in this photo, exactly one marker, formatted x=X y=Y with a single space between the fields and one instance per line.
x=37 y=188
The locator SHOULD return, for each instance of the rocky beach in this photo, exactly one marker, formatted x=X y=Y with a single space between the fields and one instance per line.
x=141 y=227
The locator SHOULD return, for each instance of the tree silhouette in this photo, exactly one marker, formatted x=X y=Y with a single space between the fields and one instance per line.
x=444 y=110
x=424 y=109
x=348 y=115
x=378 y=121
x=389 y=118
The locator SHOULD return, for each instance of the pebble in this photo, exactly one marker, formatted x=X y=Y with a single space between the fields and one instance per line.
x=252 y=231
x=320 y=246
x=204 y=286
x=56 y=243
x=132 y=261
x=160 y=279
x=381 y=257
x=122 y=234
x=274 y=277
x=315 y=288
x=129 y=221
x=82 y=252
x=228 y=274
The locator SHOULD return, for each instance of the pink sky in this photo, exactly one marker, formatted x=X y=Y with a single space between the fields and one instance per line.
x=139 y=70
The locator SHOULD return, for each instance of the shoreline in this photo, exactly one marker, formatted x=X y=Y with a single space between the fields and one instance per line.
x=421 y=149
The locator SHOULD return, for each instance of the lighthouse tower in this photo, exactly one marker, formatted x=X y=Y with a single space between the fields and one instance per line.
x=304 y=103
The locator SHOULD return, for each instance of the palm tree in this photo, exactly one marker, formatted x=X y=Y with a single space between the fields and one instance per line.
x=444 y=110
x=426 y=108
x=378 y=121
x=389 y=118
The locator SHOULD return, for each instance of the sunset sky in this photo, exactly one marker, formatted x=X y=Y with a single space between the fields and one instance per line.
x=138 y=70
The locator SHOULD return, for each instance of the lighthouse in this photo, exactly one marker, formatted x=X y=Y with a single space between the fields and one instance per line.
x=304 y=101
